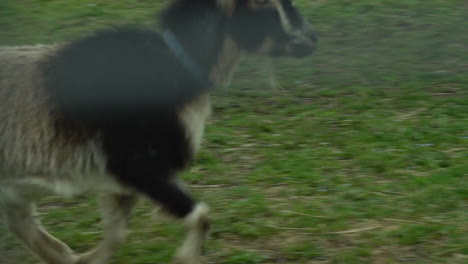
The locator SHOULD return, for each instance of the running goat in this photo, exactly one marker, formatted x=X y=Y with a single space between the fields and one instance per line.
x=122 y=112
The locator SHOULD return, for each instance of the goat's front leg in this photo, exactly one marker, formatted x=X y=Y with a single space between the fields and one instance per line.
x=175 y=200
x=198 y=227
x=115 y=211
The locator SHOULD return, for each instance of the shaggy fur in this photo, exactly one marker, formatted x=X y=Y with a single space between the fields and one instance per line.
x=118 y=113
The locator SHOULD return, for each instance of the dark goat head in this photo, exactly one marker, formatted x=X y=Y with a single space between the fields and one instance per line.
x=272 y=27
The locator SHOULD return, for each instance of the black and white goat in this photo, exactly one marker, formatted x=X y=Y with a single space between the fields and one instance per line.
x=121 y=112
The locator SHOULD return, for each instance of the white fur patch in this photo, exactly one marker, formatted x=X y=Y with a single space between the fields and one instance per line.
x=194 y=116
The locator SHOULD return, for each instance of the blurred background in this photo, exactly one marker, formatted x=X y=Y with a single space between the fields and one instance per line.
x=357 y=154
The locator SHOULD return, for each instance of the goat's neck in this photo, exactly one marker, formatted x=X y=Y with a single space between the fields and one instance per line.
x=228 y=59
x=207 y=41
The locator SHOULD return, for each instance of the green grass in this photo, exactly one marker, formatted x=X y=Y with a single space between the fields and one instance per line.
x=360 y=158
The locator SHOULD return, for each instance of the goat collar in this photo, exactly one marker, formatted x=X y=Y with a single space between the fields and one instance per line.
x=184 y=57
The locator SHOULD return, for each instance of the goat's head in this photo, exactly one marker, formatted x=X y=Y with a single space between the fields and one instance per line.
x=272 y=27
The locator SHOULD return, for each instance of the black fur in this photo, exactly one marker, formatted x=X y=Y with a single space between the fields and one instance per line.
x=125 y=86
x=119 y=74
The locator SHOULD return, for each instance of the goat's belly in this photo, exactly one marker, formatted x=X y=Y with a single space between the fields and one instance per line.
x=71 y=184
x=35 y=167
x=29 y=154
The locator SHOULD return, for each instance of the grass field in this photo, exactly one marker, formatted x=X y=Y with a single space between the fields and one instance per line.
x=360 y=157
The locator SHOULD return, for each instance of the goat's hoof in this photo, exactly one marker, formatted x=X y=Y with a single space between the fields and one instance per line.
x=82 y=261
x=184 y=260
x=86 y=258
x=186 y=256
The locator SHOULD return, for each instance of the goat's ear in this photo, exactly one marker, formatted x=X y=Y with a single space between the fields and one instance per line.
x=228 y=6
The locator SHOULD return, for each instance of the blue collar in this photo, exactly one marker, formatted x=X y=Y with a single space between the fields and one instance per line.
x=184 y=57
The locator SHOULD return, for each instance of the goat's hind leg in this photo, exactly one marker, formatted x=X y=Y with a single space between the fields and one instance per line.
x=21 y=220
x=115 y=210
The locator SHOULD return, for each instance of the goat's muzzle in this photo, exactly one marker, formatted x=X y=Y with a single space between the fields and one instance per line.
x=300 y=43
x=303 y=43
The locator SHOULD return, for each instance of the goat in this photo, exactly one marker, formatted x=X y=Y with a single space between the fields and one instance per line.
x=122 y=112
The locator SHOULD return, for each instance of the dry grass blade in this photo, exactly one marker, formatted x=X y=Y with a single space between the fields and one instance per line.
x=308 y=215
x=356 y=230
